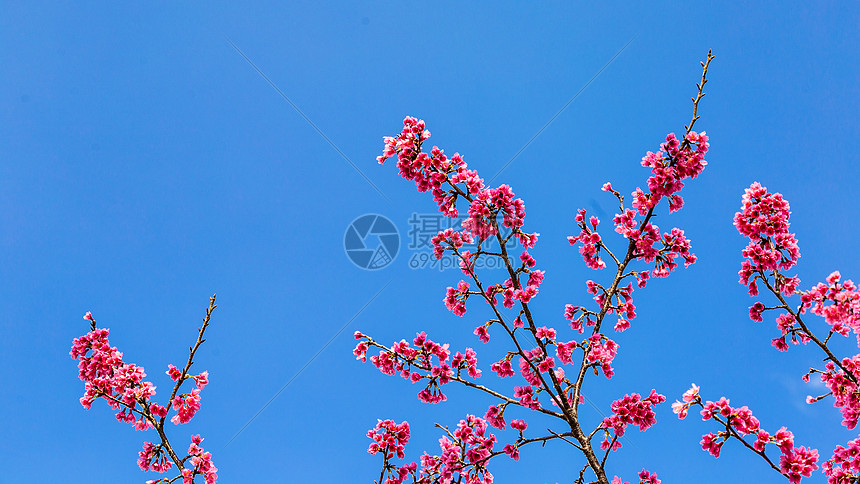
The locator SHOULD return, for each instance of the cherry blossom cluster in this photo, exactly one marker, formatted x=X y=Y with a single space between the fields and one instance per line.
x=154 y=458
x=844 y=466
x=688 y=399
x=764 y=220
x=645 y=237
x=794 y=463
x=487 y=204
x=620 y=304
x=449 y=239
x=675 y=162
x=511 y=293
x=106 y=375
x=512 y=450
x=838 y=302
x=463 y=457
x=389 y=438
x=672 y=164
x=432 y=172
x=201 y=464
x=427 y=360
x=631 y=409
x=495 y=416
x=455 y=299
x=601 y=352
x=472 y=441
x=444 y=177
x=590 y=240
x=645 y=477
x=450 y=180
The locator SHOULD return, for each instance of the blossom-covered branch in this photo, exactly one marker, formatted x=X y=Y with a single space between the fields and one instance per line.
x=794 y=462
x=465 y=451
x=107 y=376
x=541 y=354
x=772 y=249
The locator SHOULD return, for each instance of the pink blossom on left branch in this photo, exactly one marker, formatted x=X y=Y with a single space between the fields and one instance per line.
x=107 y=376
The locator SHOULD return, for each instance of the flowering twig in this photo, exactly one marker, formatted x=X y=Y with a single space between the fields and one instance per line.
x=121 y=384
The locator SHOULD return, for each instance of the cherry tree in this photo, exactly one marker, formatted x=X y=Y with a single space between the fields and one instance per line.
x=550 y=366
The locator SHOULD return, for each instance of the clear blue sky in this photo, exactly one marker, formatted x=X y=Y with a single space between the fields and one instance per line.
x=145 y=165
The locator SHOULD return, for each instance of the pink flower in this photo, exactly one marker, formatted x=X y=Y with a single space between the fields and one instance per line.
x=122 y=385
x=503 y=368
x=756 y=310
x=564 y=351
x=525 y=295
x=455 y=299
x=202 y=380
x=546 y=364
x=518 y=424
x=173 y=372
x=762 y=439
x=528 y=260
x=526 y=397
x=536 y=278
x=512 y=451
x=711 y=444
x=360 y=351
x=201 y=462
x=692 y=394
x=495 y=418
x=158 y=410
x=680 y=409
x=186 y=406
x=153 y=457
x=646 y=477
x=545 y=333
x=482 y=333
x=689 y=397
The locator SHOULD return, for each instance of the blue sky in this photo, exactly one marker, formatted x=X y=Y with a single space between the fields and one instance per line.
x=146 y=165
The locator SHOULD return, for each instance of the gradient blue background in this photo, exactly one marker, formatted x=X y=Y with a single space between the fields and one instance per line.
x=145 y=165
